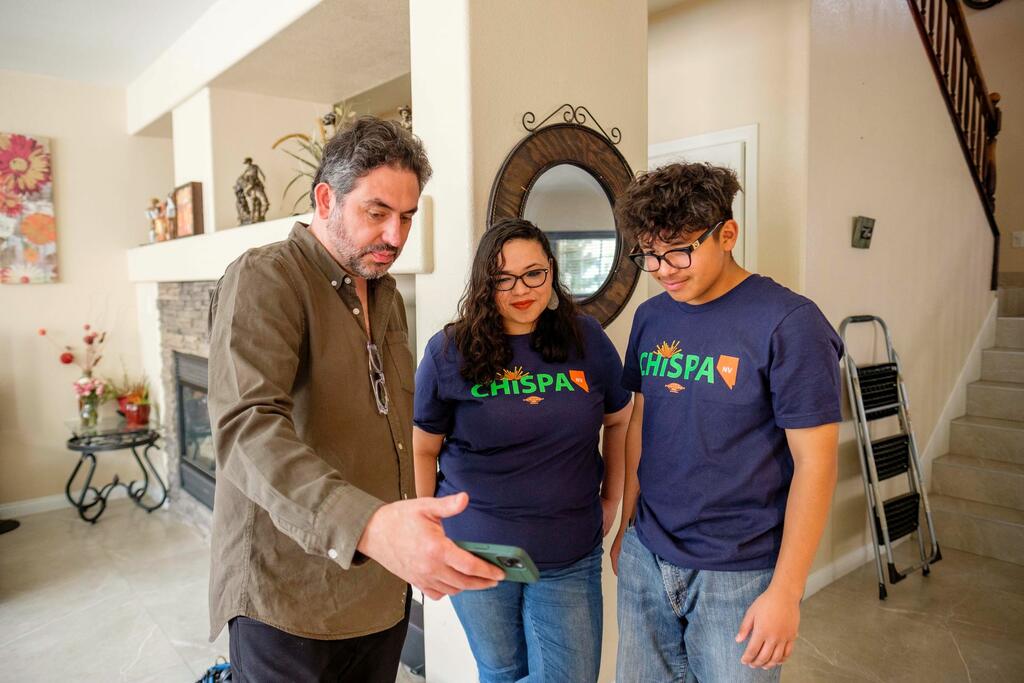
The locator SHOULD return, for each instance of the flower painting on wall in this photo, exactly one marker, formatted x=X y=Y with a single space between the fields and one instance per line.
x=28 y=232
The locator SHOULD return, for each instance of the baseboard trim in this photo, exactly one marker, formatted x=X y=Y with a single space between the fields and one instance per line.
x=34 y=506
x=956 y=405
x=837 y=569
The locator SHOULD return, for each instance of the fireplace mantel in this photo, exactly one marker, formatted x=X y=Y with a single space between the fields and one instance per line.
x=205 y=257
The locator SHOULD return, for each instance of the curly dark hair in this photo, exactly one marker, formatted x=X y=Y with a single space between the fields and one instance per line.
x=478 y=332
x=677 y=200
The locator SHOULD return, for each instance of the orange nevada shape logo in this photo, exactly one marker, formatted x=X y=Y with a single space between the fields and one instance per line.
x=674 y=387
x=579 y=379
x=533 y=400
x=727 y=367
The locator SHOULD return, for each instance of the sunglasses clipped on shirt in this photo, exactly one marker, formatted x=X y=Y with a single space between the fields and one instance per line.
x=680 y=257
x=380 y=390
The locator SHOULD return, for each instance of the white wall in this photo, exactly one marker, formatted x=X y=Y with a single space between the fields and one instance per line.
x=881 y=145
x=719 y=64
x=103 y=180
x=851 y=122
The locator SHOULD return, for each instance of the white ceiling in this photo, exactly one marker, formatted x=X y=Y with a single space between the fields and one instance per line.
x=98 y=41
x=338 y=49
x=111 y=42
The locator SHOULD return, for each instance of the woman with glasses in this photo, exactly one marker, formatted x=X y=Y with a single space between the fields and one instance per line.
x=511 y=400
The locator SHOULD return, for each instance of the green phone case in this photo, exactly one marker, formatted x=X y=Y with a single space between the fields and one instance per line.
x=514 y=561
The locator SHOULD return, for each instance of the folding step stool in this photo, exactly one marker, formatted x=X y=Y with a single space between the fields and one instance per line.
x=876 y=392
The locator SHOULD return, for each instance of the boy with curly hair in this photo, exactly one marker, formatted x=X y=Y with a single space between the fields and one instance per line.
x=731 y=449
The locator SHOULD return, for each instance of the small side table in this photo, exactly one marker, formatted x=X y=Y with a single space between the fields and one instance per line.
x=112 y=435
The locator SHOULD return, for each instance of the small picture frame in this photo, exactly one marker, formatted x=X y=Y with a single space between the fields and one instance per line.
x=188 y=207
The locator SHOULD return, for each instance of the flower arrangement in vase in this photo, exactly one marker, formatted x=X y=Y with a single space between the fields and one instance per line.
x=91 y=391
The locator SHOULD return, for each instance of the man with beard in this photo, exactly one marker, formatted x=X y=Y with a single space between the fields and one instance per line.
x=316 y=528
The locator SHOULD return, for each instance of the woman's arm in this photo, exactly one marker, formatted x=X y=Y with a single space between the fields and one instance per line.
x=613 y=448
x=631 y=486
x=425 y=449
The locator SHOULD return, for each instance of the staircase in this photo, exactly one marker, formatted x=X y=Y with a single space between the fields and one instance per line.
x=978 y=487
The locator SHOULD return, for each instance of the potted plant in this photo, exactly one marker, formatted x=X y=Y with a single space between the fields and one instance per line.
x=133 y=399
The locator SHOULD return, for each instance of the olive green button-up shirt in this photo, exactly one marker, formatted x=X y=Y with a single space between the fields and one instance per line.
x=304 y=457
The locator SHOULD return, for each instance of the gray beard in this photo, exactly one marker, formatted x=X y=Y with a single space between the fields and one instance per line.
x=350 y=257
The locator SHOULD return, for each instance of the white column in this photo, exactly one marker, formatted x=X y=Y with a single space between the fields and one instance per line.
x=477 y=67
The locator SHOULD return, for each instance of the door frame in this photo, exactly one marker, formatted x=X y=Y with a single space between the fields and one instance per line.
x=743 y=134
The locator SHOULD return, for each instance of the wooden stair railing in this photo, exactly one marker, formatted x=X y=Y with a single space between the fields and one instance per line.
x=974 y=111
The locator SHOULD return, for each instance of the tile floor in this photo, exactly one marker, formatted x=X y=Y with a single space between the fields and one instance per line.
x=125 y=600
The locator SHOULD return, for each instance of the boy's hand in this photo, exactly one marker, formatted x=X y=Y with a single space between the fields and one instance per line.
x=771 y=624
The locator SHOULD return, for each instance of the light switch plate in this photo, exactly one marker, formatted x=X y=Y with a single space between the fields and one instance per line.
x=1018 y=238
x=863 y=227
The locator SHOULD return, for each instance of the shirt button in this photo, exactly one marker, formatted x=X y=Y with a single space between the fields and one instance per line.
x=405 y=496
x=401 y=447
x=334 y=283
x=332 y=553
x=355 y=311
x=348 y=280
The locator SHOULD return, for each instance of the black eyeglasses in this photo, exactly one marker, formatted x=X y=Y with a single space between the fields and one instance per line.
x=380 y=390
x=649 y=262
x=531 y=278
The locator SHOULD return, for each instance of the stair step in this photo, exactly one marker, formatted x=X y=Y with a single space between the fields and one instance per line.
x=1010 y=332
x=1001 y=400
x=995 y=482
x=979 y=528
x=985 y=437
x=1002 y=365
x=1011 y=301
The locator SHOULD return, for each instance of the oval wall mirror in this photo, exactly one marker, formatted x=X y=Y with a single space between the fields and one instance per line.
x=570 y=206
x=564 y=178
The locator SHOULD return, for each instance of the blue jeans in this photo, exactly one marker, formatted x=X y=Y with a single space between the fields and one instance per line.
x=544 y=631
x=680 y=624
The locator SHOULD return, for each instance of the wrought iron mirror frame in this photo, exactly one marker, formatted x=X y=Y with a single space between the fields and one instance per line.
x=577 y=145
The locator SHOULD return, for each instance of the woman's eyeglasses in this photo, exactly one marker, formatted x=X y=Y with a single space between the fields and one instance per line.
x=649 y=262
x=531 y=278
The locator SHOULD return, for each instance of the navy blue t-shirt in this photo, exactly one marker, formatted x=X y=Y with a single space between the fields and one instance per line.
x=525 y=446
x=721 y=382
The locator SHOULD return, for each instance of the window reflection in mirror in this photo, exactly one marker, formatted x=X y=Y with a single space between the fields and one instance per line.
x=571 y=207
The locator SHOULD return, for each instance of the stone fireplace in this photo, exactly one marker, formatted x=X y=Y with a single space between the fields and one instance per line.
x=183 y=308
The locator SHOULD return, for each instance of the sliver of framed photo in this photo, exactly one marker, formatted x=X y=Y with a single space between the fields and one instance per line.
x=188 y=203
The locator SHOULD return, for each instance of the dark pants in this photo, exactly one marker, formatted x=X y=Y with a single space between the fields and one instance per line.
x=261 y=653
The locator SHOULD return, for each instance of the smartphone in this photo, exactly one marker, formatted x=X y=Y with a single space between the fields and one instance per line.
x=516 y=564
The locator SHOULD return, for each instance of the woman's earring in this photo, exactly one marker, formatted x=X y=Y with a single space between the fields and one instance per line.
x=553 y=301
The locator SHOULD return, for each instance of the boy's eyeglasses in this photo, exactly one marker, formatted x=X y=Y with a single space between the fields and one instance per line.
x=649 y=262
x=531 y=278
x=380 y=390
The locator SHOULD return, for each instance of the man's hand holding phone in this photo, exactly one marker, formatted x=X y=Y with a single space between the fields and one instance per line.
x=407 y=539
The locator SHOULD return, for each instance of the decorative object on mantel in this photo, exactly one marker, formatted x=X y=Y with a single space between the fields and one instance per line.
x=185 y=210
x=250 y=198
x=161 y=215
x=311 y=149
x=405 y=117
x=28 y=232
x=91 y=391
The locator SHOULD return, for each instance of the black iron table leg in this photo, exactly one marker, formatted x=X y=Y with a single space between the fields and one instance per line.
x=137 y=494
x=99 y=496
